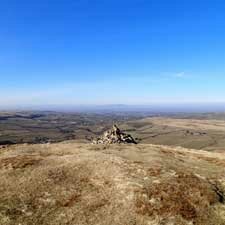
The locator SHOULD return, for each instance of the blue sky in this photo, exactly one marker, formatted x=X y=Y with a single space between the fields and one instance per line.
x=111 y=51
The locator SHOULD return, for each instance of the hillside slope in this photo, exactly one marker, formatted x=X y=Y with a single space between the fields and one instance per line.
x=80 y=184
x=204 y=134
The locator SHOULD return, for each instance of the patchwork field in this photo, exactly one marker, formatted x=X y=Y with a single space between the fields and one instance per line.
x=197 y=131
x=44 y=127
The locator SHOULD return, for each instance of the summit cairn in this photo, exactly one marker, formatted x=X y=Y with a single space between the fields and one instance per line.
x=114 y=136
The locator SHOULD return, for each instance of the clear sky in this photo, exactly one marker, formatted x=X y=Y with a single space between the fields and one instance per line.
x=111 y=51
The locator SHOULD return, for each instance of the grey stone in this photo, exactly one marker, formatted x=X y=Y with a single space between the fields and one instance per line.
x=114 y=136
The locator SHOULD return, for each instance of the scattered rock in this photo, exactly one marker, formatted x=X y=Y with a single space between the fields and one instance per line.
x=114 y=136
x=195 y=133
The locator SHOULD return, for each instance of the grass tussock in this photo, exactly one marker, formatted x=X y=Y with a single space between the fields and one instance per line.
x=19 y=162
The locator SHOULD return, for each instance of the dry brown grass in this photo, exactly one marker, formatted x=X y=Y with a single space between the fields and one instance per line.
x=184 y=194
x=19 y=162
x=79 y=184
x=187 y=123
x=215 y=161
x=154 y=172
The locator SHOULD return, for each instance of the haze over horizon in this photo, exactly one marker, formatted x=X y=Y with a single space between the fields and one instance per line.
x=101 y=52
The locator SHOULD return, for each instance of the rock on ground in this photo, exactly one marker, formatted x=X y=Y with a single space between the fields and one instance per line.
x=114 y=136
